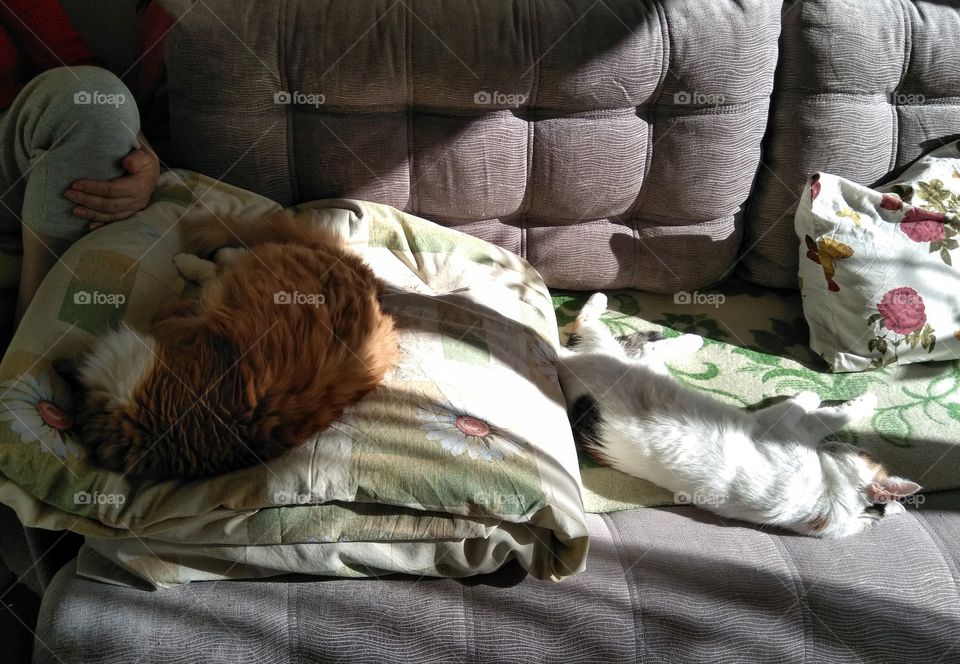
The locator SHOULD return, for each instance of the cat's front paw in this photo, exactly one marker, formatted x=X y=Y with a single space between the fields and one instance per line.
x=808 y=401
x=225 y=256
x=687 y=344
x=194 y=268
x=862 y=407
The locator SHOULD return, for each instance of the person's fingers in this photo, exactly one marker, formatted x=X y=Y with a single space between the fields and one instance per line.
x=102 y=217
x=106 y=201
x=102 y=203
x=137 y=161
x=127 y=186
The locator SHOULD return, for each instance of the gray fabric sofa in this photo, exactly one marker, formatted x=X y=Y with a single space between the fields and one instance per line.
x=662 y=585
x=655 y=144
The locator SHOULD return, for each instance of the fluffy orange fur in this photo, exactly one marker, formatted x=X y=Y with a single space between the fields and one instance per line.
x=239 y=378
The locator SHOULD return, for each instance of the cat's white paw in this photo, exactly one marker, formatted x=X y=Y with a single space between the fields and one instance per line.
x=688 y=343
x=194 y=268
x=673 y=347
x=593 y=309
x=229 y=255
x=808 y=401
x=862 y=407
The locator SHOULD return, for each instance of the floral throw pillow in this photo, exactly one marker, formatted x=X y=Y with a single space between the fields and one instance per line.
x=880 y=269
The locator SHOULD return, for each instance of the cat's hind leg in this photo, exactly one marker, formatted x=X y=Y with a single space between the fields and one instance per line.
x=593 y=309
x=589 y=334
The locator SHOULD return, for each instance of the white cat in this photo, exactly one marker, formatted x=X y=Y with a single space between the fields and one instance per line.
x=766 y=467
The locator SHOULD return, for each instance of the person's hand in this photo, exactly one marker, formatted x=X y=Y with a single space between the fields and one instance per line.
x=101 y=202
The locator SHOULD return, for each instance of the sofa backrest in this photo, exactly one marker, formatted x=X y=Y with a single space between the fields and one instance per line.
x=612 y=143
x=864 y=88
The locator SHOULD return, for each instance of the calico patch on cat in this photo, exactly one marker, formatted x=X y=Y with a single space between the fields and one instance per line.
x=770 y=466
x=287 y=332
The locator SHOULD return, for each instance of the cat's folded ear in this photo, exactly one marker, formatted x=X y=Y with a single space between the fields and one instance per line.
x=889 y=489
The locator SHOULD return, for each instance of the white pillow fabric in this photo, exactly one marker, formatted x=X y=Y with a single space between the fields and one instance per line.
x=879 y=268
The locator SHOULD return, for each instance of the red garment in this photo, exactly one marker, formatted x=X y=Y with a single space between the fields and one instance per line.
x=36 y=35
x=152 y=72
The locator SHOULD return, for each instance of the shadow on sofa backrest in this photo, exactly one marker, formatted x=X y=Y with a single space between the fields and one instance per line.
x=611 y=144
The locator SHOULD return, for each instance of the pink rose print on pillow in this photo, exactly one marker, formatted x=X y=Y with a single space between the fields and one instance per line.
x=932 y=219
x=923 y=231
x=917 y=215
x=814 y=187
x=928 y=226
x=902 y=313
x=902 y=310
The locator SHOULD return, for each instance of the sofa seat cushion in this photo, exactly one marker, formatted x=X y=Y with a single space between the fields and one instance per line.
x=664 y=585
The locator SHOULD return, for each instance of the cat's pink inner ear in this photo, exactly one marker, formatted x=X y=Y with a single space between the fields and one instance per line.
x=879 y=494
x=899 y=487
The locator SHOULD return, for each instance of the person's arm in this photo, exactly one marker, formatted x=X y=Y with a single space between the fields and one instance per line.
x=103 y=202
x=44 y=32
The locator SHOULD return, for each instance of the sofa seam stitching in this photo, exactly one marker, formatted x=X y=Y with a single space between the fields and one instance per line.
x=411 y=109
x=288 y=108
x=936 y=539
x=469 y=637
x=527 y=202
x=632 y=591
x=634 y=214
x=907 y=59
x=292 y=645
x=798 y=587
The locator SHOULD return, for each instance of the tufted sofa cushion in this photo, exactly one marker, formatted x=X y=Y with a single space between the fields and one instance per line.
x=610 y=143
x=863 y=88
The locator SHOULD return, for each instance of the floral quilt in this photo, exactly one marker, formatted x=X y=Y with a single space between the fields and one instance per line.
x=756 y=346
x=461 y=461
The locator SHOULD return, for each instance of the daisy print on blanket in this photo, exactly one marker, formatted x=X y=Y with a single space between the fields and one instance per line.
x=35 y=411
x=879 y=268
x=460 y=431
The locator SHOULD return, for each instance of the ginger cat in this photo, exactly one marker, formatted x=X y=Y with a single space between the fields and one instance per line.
x=287 y=332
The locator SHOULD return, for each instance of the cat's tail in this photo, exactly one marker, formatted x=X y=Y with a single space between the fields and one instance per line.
x=204 y=235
